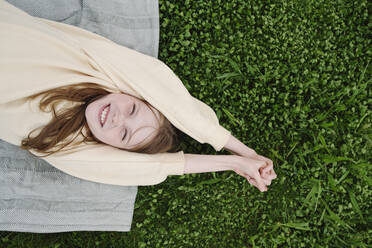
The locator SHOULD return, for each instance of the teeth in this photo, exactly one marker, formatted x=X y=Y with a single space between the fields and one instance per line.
x=103 y=115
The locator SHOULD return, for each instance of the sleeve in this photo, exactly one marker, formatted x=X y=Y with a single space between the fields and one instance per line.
x=157 y=83
x=121 y=68
x=109 y=165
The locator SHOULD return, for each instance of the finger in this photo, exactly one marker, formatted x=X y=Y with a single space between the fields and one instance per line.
x=266 y=179
x=269 y=176
x=261 y=185
x=265 y=175
x=261 y=170
x=268 y=161
x=267 y=168
x=240 y=173
x=267 y=182
x=253 y=182
x=273 y=174
x=269 y=171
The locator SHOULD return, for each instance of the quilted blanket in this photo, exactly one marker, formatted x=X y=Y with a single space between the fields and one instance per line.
x=35 y=196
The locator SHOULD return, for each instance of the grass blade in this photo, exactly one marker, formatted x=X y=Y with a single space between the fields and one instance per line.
x=234 y=65
x=228 y=75
x=343 y=177
x=277 y=155
x=322 y=140
x=335 y=217
x=331 y=159
x=361 y=78
x=311 y=195
x=332 y=182
x=300 y=225
x=355 y=205
x=210 y=181
x=295 y=144
x=231 y=117
x=318 y=196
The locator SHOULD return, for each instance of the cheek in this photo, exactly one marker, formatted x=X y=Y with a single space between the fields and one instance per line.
x=89 y=116
x=92 y=121
x=89 y=112
x=108 y=137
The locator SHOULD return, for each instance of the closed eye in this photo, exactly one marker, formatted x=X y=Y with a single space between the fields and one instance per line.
x=134 y=108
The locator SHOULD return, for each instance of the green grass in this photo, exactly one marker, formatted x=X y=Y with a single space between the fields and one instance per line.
x=290 y=79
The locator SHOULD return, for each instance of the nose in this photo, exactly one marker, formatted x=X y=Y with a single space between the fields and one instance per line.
x=117 y=119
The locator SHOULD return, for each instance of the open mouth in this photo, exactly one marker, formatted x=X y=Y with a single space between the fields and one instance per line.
x=103 y=114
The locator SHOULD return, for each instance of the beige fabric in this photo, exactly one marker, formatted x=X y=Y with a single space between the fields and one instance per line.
x=38 y=54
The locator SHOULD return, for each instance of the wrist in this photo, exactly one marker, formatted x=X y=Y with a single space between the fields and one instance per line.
x=236 y=147
x=197 y=163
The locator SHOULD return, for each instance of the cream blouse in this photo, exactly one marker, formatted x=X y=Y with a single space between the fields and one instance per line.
x=38 y=54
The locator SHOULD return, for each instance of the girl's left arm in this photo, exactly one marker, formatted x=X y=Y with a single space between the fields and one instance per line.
x=236 y=147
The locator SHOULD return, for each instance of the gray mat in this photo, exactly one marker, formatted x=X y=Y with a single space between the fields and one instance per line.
x=35 y=196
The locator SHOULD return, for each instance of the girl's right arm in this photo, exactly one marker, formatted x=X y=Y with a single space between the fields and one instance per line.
x=246 y=167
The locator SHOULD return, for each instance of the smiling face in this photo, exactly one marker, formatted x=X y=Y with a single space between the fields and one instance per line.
x=123 y=116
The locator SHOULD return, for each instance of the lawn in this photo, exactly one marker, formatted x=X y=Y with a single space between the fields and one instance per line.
x=291 y=80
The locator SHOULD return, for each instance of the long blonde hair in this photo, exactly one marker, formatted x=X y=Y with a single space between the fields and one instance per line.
x=53 y=136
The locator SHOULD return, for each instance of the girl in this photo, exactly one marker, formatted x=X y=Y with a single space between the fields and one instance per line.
x=103 y=112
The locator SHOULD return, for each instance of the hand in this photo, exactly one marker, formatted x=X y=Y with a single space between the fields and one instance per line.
x=268 y=172
x=239 y=149
x=252 y=168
